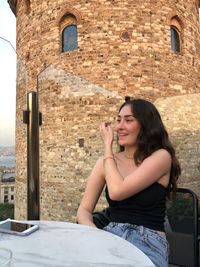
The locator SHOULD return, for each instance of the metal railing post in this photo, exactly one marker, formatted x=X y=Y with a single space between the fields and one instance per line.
x=32 y=119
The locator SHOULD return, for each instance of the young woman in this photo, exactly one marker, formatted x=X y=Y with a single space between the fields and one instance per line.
x=137 y=179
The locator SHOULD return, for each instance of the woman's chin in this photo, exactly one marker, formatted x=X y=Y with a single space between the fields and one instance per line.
x=121 y=143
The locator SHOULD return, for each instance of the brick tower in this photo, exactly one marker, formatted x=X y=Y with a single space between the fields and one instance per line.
x=83 y=58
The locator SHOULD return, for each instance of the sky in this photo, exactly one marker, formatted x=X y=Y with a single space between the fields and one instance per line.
x=7 y=75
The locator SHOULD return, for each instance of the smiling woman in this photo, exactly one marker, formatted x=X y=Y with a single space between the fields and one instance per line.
x=8 y=75
x=137 y=179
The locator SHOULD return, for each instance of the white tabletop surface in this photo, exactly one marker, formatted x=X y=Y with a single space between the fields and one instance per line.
x=59 y=244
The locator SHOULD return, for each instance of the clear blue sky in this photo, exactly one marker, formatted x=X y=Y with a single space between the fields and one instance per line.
x=7 y=75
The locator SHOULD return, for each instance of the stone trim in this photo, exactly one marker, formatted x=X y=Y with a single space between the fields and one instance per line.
x=70 y=10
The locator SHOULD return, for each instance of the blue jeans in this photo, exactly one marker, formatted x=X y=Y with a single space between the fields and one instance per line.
x=151 y=242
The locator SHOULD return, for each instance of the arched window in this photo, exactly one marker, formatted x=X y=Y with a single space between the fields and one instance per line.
x=199 y=8
x=175 y=39
x=69 y=38
x=176 y=33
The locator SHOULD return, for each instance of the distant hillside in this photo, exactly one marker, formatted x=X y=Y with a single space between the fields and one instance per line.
x=7 y=150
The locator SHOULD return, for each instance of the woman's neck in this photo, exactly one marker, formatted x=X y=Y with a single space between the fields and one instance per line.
x=129 y=152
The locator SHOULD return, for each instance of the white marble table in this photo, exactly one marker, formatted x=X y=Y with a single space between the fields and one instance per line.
x=59 y=244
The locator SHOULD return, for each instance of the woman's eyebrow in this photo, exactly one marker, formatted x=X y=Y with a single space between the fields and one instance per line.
x=125 y=116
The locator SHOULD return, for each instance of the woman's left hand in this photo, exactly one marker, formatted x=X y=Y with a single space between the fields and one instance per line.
x=106 y=133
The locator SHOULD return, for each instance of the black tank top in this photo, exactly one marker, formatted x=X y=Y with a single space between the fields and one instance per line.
x=145 y=208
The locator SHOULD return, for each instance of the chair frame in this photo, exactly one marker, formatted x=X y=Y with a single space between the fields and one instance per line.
x=196 y=236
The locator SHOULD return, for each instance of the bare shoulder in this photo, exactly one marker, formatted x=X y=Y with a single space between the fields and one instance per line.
x=98 y=169
x=162 y=154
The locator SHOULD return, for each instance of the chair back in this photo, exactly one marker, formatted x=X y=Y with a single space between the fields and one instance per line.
x=182 y=228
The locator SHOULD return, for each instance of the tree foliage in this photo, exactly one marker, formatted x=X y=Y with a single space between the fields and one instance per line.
x=6 y=211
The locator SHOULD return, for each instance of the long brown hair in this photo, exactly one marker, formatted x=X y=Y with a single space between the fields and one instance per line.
x=152 y=136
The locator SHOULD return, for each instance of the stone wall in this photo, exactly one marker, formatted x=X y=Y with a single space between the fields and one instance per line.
x=123 y=49
x=181 y=115
x=142 y=65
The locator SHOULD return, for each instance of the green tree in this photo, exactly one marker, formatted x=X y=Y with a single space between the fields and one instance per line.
x=6 y=211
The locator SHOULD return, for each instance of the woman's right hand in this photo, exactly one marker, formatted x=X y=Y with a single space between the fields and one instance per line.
x=85 y=217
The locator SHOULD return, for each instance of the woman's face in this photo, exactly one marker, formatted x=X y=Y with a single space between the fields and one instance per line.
x=127 y=127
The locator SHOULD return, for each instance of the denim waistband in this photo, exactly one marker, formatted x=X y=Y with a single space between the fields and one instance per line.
x=139 y=228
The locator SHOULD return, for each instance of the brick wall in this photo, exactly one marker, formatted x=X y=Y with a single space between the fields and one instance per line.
x=123 y=49
x=181 y=115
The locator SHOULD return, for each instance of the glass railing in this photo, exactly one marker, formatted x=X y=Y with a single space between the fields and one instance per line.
x=7 y=120
x=8 y=63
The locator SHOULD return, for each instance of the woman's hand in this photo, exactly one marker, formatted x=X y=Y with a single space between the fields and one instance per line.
x=106 y=134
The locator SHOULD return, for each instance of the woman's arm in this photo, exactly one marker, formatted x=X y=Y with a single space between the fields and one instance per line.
x=152 y=169
x=94 y=187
